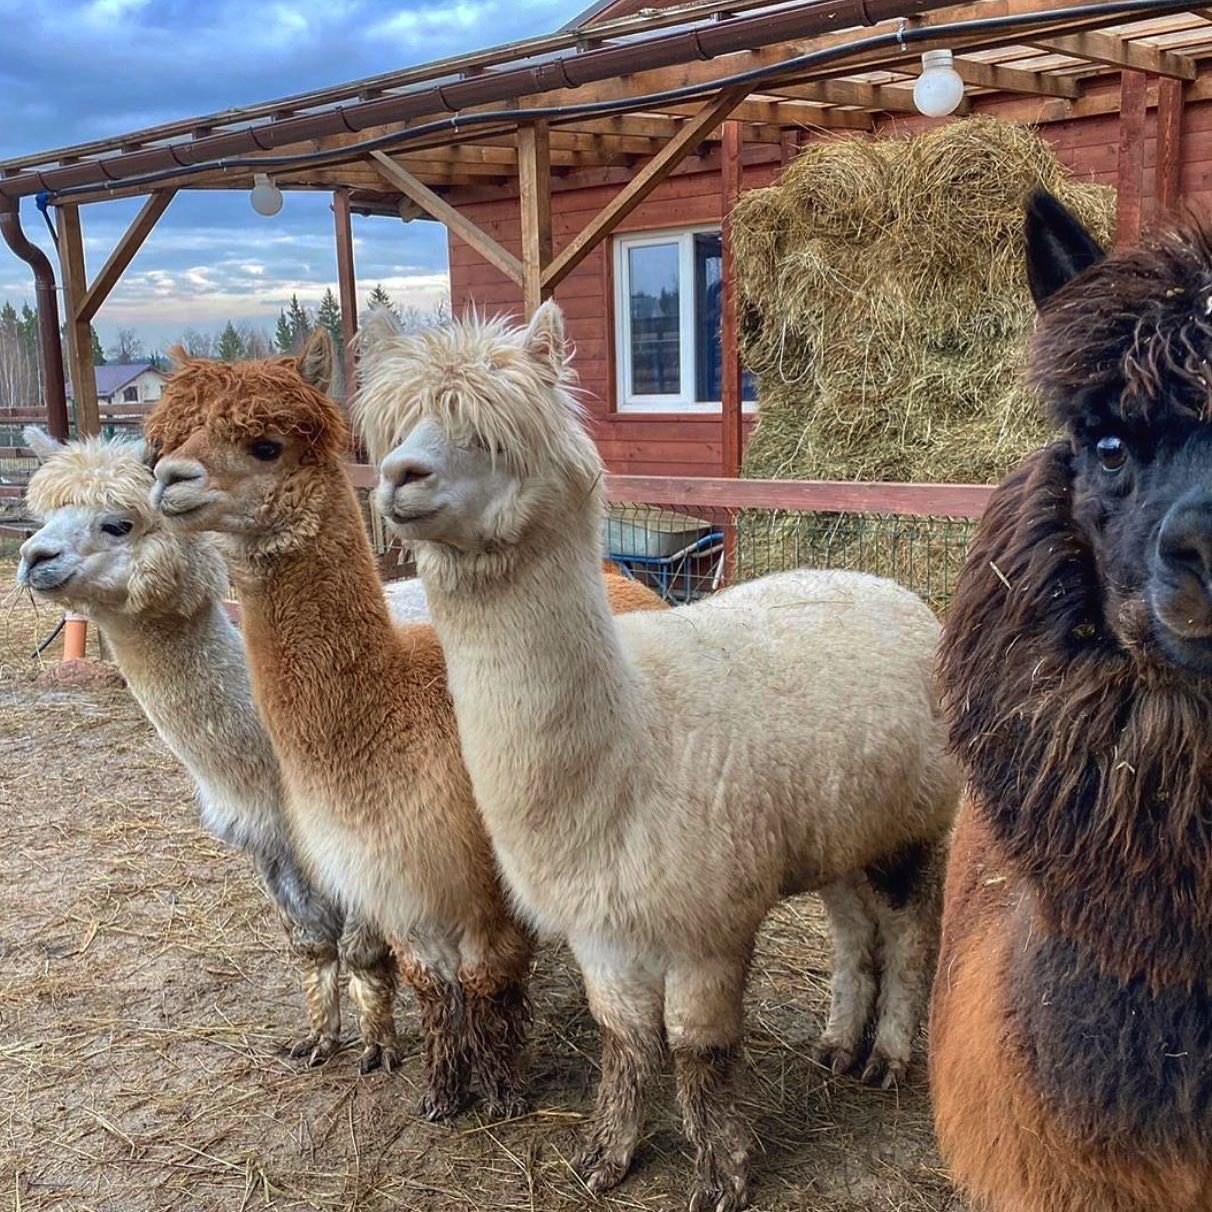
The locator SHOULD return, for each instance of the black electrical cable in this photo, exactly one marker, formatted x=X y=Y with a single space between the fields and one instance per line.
x=50 y=639
x=902 y=38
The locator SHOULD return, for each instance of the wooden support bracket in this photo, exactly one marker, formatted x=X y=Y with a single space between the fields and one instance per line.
x=437 y=206
x=692 y=132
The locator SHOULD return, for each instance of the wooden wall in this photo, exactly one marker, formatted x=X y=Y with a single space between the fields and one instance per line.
x=689 y=444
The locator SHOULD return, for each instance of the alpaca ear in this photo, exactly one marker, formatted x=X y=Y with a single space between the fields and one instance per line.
x=177 y=357
x=41 y=443
x=545 y=342
x=315 y=363
x=1058 y=246
x=380 y=325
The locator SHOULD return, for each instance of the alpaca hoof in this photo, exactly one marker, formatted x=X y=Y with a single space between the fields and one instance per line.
x=884 y=1071
x=436 y=1106
x=316 y=1050
x=720 y=1192
x=379 y=1056
x=834 y=1057
x=600 y=1168
x=506 y=1105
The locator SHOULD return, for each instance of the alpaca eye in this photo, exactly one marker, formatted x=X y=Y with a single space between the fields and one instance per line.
x=266 y=450
x=118 y=527
x=1112 y=452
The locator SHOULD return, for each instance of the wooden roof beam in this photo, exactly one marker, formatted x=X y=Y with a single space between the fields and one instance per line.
x=878 y=98
x=1016 y=80
x=455 y=221
x=1120 y=52
x=774 y=115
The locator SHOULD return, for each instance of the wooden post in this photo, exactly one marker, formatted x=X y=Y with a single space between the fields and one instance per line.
x=731 y=413
x=534 y=185
x=79 y=337
x=347 y=288
x=732 y=418
x=1168 y=186
x=1130 y=169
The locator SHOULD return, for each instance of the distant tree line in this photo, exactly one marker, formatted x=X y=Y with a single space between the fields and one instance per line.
x=20 y=369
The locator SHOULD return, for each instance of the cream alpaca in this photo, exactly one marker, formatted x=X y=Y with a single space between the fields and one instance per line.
x=653 y=784
x=378 y=795
x=157 y=597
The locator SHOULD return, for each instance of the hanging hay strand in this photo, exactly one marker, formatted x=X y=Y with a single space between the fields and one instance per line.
x=884 y=304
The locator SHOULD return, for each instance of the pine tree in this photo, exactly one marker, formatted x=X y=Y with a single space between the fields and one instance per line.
x=328 y=316
x=98 y=351
x=284 y=341
x=380 y=298
x=300 y=321
x=231 y=344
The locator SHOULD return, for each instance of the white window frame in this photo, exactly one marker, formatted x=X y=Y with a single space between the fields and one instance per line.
x=684 y=401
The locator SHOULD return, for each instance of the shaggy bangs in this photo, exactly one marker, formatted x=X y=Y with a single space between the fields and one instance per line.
x=95 y=473
x=475 y=378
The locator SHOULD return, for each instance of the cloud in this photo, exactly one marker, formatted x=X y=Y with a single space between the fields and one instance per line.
x=86 y=69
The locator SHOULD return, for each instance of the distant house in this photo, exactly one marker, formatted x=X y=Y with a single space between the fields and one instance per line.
x=132 y=383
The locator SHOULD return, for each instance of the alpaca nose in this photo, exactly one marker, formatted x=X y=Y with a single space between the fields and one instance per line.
x=402 y=468
x=178 y=471
x=1184 y=543
x=38 y=550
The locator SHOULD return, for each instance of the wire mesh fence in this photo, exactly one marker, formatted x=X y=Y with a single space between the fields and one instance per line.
x=684 y=556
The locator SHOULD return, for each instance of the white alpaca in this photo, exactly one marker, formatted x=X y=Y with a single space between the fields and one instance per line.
x=158 y=599
x=652 y=785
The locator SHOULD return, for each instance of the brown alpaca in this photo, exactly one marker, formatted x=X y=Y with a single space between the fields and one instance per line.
x=358 y=711
x=1071 y=1032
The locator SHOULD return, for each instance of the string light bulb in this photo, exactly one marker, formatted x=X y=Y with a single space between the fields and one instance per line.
x=266 y=197
x=938 y=91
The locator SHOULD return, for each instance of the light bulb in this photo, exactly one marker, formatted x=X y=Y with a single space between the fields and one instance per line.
x=938 y=91
x=266 y=197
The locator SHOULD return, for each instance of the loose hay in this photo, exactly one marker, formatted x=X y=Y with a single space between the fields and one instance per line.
x=145 y=994
x=884 y=304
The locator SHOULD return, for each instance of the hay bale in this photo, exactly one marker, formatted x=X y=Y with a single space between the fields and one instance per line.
x=884 y=303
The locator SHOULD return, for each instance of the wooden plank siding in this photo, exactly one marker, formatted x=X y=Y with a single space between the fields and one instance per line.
x=689 y=444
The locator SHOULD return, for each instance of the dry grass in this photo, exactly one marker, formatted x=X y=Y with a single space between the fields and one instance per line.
x=884 y=304
x=145 y=995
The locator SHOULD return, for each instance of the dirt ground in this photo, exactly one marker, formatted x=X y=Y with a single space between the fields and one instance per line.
x=146 y=993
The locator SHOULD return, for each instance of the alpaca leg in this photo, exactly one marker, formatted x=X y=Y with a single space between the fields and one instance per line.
x=372 y=986
x=626 y=1004
x=908 y=899
x=313 y=926
x=497 y=1016
x=703 y=1008
x=320 y=960
x=431 y=969
x=852 y=990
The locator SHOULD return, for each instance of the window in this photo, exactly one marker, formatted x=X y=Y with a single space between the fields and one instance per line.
x=130 y=395
x=667 y=321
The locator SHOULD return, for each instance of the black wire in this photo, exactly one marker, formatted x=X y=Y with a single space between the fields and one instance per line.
x=455 y=122
x=50 y=639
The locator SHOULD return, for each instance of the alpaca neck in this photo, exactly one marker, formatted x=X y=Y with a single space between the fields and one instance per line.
x=188 y=673
x=320 y=641
x=547 y=702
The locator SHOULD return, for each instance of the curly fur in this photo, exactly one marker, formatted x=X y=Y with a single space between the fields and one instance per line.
x=184 y=662
x=378 y=795
x=244 y=401
x=1071 y=1054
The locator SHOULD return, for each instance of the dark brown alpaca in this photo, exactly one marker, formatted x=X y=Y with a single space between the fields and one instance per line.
x=1071 y=1036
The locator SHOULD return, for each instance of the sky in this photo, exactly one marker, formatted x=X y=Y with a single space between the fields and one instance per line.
x=73 y=71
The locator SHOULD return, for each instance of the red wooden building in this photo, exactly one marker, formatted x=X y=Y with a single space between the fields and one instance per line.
x=598 y=161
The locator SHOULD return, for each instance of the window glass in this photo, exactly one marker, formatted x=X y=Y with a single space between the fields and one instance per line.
x=654 y=303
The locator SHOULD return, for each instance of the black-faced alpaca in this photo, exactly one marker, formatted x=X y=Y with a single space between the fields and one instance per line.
x=1071 y=1037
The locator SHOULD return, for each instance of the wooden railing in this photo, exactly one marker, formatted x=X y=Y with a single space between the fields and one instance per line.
x=805 y=496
